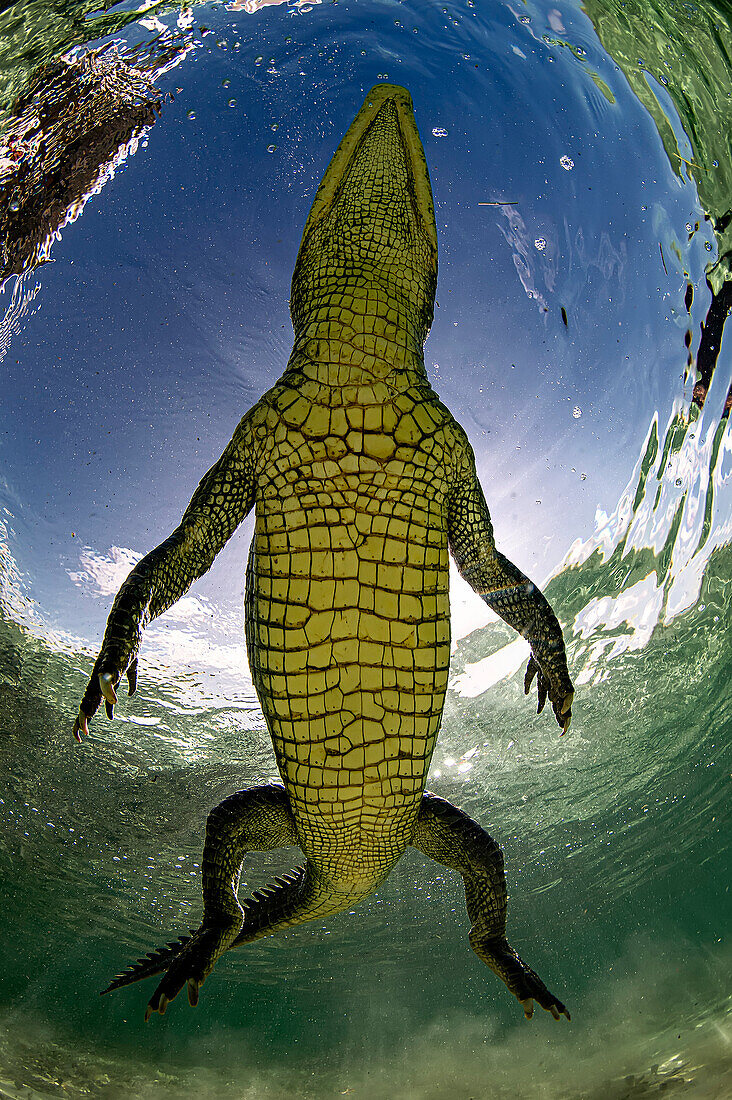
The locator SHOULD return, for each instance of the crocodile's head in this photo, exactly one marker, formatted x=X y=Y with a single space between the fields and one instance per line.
x=371 y=233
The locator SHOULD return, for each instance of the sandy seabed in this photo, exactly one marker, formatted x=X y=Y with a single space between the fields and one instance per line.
x=635 y=1037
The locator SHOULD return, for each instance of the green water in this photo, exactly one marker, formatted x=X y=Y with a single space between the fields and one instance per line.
x=616 y=845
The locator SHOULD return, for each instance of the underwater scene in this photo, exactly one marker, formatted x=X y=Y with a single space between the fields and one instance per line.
x=158 y=164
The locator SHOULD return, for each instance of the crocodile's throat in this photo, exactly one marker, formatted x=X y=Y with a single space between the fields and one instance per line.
x=364 y=284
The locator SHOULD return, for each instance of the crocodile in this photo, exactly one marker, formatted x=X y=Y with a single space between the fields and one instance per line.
x=362 y=483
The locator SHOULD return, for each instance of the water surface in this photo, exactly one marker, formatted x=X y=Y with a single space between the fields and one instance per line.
x=582 y=172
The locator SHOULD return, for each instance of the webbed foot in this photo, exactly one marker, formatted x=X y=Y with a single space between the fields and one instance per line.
x=520 y=979
x=192 y=965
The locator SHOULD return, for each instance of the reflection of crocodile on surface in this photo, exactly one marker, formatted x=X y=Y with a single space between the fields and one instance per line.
x=36 y=33
x=688 y=49
x=73 y=120
x=361 y=481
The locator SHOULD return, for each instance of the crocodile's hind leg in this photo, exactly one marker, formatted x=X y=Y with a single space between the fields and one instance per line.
x=256 y=819
x=450 y=837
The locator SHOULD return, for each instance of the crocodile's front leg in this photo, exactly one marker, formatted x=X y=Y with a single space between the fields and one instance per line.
x=450 y=837
x=222 y=500
x=508 y=592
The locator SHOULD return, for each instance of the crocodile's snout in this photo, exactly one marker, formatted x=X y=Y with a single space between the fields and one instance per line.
x=372 y=220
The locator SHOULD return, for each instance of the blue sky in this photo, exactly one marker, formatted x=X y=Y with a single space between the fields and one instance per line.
x=164 y=314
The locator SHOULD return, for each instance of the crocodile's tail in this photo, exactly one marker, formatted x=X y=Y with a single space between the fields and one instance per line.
x=261 y=909
x=274 y=902
x=155 y=962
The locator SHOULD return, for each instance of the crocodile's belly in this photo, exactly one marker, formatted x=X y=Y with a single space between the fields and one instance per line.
x=349 y=643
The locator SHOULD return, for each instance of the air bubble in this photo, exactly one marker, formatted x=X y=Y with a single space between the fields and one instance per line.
x=232 y=103
x=540 y=244
x=567 y=163
x=271 y=148
x=576 y=412
x=191 y=115
x=438 y=131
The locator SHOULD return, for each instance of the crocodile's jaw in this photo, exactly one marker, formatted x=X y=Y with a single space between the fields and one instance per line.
x=371 y=237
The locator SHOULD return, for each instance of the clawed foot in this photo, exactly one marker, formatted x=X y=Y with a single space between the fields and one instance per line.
x=520 y=979
x=102 y=686
x=160 y=1000
x=191 y=967
x=560 y=695
x=557 y=1009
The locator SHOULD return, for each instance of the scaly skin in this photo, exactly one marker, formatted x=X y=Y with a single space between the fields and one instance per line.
x=361 y=481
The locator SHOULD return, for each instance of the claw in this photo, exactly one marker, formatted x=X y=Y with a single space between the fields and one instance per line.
x=80 y=726
x=531 y=670
x=106 y=687
x=528 y=1006
x=157 y=1003
x=554 y=1011
x=193 y=987
x=132 y=677
x=564 y=713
